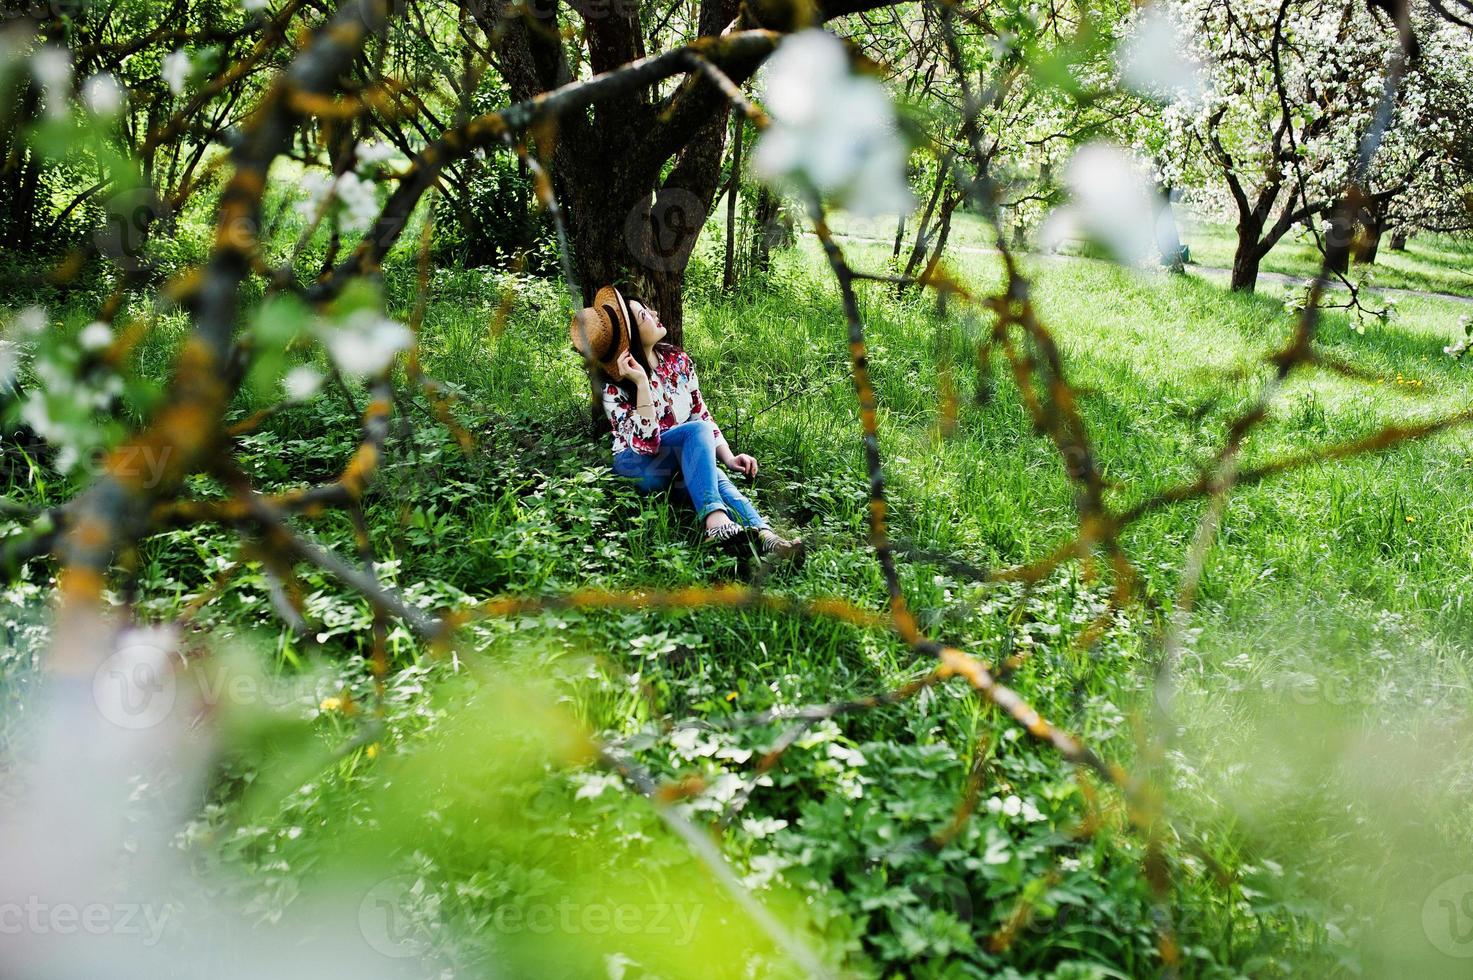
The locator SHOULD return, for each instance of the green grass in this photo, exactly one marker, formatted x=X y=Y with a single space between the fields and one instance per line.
x=1320 y=755
x=1430 y=263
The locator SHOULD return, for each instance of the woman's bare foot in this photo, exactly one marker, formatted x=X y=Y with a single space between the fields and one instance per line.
x=720 y=528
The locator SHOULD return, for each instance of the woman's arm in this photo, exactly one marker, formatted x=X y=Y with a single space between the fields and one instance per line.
x=635 y=421
x=644 y=401
x=737 y=463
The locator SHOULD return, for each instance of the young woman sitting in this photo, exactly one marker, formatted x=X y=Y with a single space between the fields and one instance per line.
x=661 y=425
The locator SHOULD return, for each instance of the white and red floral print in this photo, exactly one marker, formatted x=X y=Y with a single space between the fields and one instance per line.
x=676 y=395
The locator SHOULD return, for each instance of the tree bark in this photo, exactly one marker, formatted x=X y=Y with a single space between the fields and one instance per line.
x=1338 y=260
x=1372 y=244
x=627 y=225
x=948 y=207
x=728 y=272
x=923 y=230
x=1168 y=241
x=1399 y=240
x=1372 y=225
x=765 y=230
x=1246 y=260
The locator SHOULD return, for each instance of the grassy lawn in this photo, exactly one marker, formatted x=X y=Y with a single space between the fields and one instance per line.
x=1323 y=728
x=1431 y=262
x=1329 y=650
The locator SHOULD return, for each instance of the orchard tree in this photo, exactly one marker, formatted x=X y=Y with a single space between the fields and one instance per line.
x=637 y=175
x=1289 y=86
x=1423 y=176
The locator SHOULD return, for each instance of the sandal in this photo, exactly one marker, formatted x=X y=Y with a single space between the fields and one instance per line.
x=774 y=545
x=724 y=533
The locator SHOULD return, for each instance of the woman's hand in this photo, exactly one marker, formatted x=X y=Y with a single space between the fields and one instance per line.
x=630 y=370
x=743 y=464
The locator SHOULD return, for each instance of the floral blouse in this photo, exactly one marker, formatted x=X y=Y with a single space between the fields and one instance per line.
x=676 y=395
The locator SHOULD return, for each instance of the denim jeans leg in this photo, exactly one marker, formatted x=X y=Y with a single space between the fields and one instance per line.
x=651 y=472
x=696 y=443
x=737 y=504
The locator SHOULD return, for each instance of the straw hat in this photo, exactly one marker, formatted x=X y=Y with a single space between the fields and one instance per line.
x=601 y=332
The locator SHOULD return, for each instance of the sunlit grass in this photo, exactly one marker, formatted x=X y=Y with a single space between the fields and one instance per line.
x=1324 y=696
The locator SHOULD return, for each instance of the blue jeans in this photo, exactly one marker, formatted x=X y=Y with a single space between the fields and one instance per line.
x=689 y=449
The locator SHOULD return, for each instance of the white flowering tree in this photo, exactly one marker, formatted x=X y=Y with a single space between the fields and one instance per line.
x=1289 y=86
x=1267 y=99
x=1423 y=176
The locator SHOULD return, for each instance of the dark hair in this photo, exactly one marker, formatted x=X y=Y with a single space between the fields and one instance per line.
x=636 y=350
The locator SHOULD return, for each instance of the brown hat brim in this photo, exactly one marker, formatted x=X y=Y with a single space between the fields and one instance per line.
x=602 y=332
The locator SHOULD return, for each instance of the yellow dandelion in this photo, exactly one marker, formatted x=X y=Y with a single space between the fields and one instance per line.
x=1410 y=519
x=731 y=695
x=372 y=750
x=331 y=704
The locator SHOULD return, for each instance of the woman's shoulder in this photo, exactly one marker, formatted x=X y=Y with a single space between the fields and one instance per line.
x=674 y=357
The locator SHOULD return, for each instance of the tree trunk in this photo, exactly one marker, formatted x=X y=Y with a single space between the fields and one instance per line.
x=728 y=272
x=1371 y=224
x=1337 y=260
x=948 y=207
x=1399 y=240
x=1371 y=246
x=923 y=230
x=899 y=237
x=1247 y=256
x=626 y=233
x=1167 y=238
x=765 y=230
x=1245 y=268
x=1339 y=241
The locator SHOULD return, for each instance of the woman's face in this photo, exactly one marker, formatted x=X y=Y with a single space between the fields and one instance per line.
x=651 y=330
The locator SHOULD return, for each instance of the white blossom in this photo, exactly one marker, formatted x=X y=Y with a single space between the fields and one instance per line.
x=255 y=6
x=1155 y=60
x=595 y=783
x=37 y=414
x=365 y=343
x=30 y=321
x=102 y=94
x=375 y=151
x=316 y=187
x=831 y=129
x=301 y=383
x=9 y=364
x=95 y=336
x=1111 y=202
x=360 y=202
x=176 y=71
x=52 y=67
